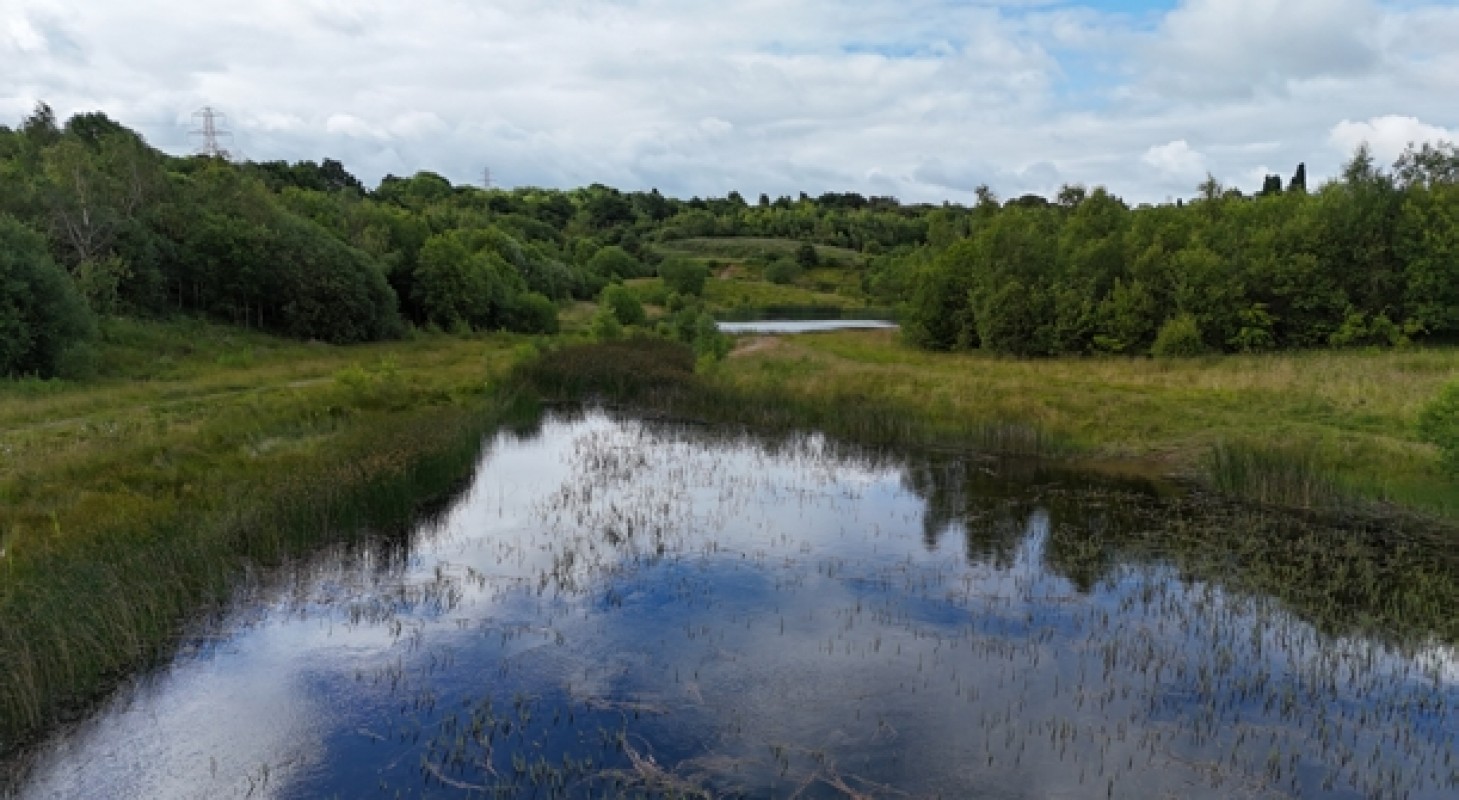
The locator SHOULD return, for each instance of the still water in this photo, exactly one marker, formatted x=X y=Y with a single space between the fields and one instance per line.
x=619 y=607
x=781 y=326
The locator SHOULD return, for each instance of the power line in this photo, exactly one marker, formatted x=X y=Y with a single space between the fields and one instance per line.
x=211 y=132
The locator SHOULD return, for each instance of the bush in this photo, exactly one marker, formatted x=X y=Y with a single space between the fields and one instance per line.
x=1179 y=337
x=531 y=312
x=684 y=276
x=604 y=326
x=614 y=262
x=806 y=256
x=41 y=313
x=620 y=300
x=782 y=271
x=1439 y=425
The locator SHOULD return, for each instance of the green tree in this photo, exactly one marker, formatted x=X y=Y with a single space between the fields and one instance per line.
x=1428 y=248
x=1179 y=337
x=625 y=307
x=613 y=262
x=782 y=271
x=41 y=314
x=453 y=286
x=684 y=276
x=1127 y=318
x=806 y=256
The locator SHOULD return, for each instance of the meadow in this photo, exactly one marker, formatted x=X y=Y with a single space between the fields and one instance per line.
x=1303 y=429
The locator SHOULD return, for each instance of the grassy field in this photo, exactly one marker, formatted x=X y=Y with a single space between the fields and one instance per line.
x=1265 y=426
x=727 y=296
x=130 y=502
x=743 y=248
x=737 y=267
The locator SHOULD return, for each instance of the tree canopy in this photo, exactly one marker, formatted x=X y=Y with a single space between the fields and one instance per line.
x=99 y=223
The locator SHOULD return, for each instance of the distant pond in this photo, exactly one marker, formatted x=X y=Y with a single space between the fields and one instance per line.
x=618 y=607
x=783 y=326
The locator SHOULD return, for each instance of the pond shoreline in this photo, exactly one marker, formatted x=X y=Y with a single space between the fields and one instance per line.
x=1192 y=535
x=710 y=400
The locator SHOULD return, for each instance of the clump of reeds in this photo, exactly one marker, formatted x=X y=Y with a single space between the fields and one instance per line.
x=1274 y=474
x=639 y=368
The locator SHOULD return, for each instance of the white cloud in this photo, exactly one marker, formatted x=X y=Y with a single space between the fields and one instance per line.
x=1387 y=136
x=1176 y=160
x=350 y=125
x=1239 y=47
x=920 y=98
x=23 y=37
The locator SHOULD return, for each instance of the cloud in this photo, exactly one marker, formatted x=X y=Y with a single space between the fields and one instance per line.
x=1387 y=136
x=1176 y=160
x=924 y=99
x=1239 y=47
x=22 y=36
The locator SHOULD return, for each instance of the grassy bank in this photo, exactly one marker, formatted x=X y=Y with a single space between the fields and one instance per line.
x=1328 y=430
x=1299 y=428
x=1334 y=555
x=130 y=502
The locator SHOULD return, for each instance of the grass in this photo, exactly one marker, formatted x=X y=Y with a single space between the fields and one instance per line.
x=1338 y=422
x=728 y=295
x=739 y=284
x=130 y=502
x=738 y=248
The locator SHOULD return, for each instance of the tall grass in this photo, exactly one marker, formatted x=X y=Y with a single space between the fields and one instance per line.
x=1275 y=475
x=1349 y=419
x=84 y=608
x=658 y=376
x=128 y=506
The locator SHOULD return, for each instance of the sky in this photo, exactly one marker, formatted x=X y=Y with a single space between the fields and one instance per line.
x=919 y=99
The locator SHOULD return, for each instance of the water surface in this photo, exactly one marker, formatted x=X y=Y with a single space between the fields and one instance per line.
x=619 y=607
x=782 y=326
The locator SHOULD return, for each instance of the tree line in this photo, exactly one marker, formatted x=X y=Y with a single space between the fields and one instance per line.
x=1370 y=258
x=94 y=223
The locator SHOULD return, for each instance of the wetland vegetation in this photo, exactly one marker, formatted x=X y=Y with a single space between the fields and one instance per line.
x=246 y=402
x=629 y=608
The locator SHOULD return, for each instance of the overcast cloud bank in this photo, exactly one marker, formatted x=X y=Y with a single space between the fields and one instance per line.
x=922 y=99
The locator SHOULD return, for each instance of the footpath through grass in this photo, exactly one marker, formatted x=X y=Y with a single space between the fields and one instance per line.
x=130 y=503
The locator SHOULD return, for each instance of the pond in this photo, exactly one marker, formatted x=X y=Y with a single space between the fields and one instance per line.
x=620 y=607
x=783 y=326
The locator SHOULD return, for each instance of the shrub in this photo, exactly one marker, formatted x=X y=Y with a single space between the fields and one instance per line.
x=806 y=256
x=620 y=300
x=684 y=276
x=782 y=271
x=532 y=312
x=41 y=313
x=604 y=326
x=1179 y=337
x=1439 y=425
x=614 y=262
